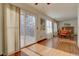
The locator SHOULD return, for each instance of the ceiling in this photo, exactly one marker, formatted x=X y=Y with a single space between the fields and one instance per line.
x=58 y=11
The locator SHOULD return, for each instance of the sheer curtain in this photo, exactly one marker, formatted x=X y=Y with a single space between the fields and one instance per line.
x=11 y=28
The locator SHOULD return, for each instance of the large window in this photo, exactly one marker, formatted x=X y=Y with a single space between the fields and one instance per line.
x=55 y=28
x=48 y=26
x=27 y=28
x=49 y=29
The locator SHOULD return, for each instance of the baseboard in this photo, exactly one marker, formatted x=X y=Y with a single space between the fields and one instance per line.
x=41 y=40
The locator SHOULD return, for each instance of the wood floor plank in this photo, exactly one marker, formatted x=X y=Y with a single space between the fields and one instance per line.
x=65 y=45
x=29 y=52
x=52 y=47
x=46 y=51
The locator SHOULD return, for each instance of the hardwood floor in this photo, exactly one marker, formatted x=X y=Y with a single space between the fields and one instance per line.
x=64 y=45
x=20 y=53
x=52 y=47
x=46 y=51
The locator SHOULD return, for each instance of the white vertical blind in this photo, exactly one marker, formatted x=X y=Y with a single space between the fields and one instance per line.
x=11 y=19
x=28 y=28
x=1 y=26
x=10 y=28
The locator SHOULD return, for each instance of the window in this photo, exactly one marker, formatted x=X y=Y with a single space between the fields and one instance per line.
x=55 y=27
x=48 y=26
x=27 y=28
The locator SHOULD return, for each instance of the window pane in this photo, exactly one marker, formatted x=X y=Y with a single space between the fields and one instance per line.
x=48 y=26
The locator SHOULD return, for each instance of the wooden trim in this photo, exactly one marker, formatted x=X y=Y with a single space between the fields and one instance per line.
x=41 y=40
x=34 y=43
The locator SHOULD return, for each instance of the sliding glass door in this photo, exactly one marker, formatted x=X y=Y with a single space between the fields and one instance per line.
x=27 y=29
x=30 y=29
x=49 y=29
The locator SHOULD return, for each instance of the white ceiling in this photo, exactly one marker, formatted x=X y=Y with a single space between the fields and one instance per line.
x=61 y=11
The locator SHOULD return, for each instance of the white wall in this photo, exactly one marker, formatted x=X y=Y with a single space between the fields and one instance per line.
x=73 y=23
x=0 y=29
